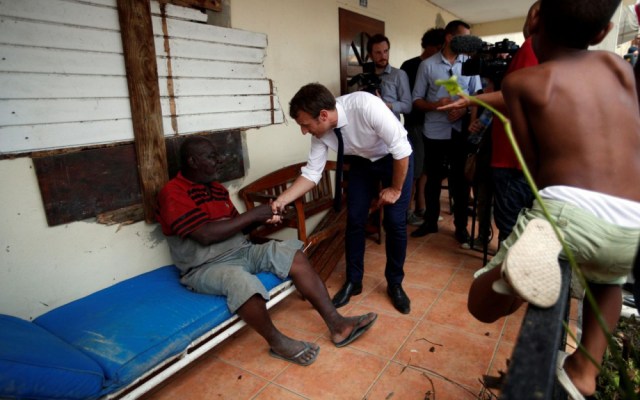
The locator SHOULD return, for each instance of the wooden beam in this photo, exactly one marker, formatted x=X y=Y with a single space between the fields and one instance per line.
x=144 y=94
x=213 y=5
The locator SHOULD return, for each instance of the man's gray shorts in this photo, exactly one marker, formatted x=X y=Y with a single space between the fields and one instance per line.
x=233 y=275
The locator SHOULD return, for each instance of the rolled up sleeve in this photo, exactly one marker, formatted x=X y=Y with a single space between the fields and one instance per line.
x=316 y=161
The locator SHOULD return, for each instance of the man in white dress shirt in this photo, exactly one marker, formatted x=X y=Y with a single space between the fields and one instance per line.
x=378 y=151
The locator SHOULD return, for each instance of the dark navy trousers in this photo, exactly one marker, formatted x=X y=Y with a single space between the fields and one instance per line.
x=364 y=179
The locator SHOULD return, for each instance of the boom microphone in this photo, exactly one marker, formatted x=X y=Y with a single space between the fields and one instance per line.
x=466 y=44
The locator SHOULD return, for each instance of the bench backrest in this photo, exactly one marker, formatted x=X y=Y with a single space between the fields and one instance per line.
x=270 y=186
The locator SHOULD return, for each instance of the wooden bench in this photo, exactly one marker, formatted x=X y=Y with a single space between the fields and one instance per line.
x=324 y=245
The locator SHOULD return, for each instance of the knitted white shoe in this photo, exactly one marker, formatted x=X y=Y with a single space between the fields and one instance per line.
x=531 y=265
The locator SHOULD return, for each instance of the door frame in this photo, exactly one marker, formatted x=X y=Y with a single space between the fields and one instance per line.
x=350 y=25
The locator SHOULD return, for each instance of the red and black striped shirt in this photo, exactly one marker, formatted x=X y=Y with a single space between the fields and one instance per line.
x=184 y=206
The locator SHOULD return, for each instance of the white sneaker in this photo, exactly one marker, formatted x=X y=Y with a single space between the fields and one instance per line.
x=413 y=219
x=531 y=266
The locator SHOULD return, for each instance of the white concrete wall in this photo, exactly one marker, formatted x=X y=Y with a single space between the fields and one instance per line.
x=42 y=268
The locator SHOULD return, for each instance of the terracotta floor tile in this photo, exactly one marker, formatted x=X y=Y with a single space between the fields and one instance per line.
x=473 y=260
x=374 y=264
x=427 y=274
x=413 y=243
x=248 y=350
x=421 y=299
x=336 y=279
x=433 y=254
x=451 y=309
x=369 y=284
x=372 y=247
x=513 y=324
x=387 y=335
x=343 y=373
x=274 y=392
x=444 y=237
x=398 y=382
x=499 y=365
x=461 y=281
x=451 y=352
x=297 y=313
x=210 y=378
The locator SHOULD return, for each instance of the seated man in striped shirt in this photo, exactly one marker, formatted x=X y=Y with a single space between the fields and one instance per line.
x=205 y=235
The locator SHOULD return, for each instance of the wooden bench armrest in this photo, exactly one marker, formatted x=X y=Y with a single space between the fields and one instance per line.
x=259 y=197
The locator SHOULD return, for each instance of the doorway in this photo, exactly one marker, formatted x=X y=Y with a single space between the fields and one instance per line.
x=355 y=31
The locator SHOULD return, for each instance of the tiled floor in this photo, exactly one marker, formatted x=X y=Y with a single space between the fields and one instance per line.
x=438 y=351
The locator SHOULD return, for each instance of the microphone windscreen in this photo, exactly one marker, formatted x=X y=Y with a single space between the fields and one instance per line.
x=466 y=44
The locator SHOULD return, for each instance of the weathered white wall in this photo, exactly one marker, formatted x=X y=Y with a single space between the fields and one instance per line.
x=303 y=48
x=42 y=268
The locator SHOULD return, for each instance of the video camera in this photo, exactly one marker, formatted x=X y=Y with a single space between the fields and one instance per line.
x=367 y=81
x=487 y=60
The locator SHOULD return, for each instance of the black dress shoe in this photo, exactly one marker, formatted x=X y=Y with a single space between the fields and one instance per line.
x=399 y=298
x=344 y=294
x=424 y=230
x=462 y=236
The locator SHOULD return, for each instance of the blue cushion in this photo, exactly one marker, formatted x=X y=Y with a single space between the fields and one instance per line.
x=34 y=364
x=132 y=326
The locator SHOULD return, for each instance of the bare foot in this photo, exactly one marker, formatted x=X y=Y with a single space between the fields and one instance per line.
x=354 y=328
x=586 y=385
x=295 y=351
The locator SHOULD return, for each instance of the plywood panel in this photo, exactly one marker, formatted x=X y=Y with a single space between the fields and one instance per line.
x=221 y=121
x=38 y=60
x=23 y=138
x=182 y=67
x=213 y=86
x=182 y=48
x=217 y=104
x=38 y=34
x=189 y=30
x=64 y=81
x=44 y=111
x=79 y=185
x=62 y=12
x=51 y=86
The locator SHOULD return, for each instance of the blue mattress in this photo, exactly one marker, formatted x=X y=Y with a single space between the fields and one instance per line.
x=132 y=326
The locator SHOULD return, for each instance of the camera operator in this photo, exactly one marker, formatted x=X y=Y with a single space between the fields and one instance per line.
x=394 y=83
x=445 y=141
x=511 y=190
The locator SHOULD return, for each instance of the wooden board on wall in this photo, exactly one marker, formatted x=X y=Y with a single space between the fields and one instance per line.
x=80 y=185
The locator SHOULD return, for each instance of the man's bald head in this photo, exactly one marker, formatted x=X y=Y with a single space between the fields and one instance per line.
x=198 y=159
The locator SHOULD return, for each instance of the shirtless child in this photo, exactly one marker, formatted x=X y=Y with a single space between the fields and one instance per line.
x=576 y=120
